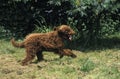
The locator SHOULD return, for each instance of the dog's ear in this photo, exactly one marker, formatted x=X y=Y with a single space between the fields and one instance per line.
x=60 y=29
x=56 y=28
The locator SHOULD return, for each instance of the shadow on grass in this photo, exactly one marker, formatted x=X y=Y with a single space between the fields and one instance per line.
x=100 y=44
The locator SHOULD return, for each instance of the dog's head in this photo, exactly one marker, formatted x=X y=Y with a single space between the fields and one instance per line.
x=65 y=31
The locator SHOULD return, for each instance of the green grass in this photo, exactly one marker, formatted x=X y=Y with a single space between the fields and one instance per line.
x=87 y=65
x=91 y=64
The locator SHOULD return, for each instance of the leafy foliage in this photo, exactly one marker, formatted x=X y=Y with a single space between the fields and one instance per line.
x=91 y=19
x=95 y=19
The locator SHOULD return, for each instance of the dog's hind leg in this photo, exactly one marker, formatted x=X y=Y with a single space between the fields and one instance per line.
x=30 y=55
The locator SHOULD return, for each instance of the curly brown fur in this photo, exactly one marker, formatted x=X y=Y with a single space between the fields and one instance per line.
x=37 y=42
x=20 y=45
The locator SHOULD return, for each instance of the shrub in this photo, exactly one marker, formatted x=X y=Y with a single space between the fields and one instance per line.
x=91 y=19
x=94 y=19
x=5 y=33
x=39 y=28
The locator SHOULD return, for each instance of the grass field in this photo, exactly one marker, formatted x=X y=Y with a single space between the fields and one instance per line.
x=91 y=64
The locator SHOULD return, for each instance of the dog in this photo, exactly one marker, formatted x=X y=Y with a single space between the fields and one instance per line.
x=36 y=43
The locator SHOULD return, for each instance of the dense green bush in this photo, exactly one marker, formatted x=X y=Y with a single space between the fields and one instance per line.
x=91 y=19
x=16 y=17
x=95 y=18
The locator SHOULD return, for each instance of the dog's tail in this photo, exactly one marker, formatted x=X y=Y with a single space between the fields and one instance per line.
x=15 y=44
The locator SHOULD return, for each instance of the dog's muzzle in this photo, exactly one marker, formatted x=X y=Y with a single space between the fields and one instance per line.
x=70 y=37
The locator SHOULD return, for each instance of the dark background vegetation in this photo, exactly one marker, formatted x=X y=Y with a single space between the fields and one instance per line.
x=95 y=21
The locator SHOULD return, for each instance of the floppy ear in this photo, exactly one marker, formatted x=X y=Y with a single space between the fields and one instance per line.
x=56 y=28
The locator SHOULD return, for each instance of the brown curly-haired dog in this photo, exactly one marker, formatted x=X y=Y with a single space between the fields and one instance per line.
x=52 y=41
